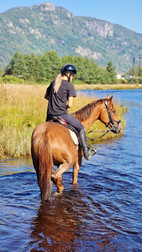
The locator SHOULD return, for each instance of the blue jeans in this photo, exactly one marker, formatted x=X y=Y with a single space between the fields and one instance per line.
x=73 y=121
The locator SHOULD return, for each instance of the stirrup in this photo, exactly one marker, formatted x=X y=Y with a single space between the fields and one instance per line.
x=90 y=152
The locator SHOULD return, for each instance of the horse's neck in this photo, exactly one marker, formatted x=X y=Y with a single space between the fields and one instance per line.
x=92 y=117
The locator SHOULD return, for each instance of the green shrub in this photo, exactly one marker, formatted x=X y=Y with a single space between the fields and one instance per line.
x=12 y=79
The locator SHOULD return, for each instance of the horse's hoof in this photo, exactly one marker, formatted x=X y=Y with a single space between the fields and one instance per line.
x=61 y=189
x=57 y=193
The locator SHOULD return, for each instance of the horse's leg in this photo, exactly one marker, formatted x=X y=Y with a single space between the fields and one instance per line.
x=76 y=167
x=58 y=183
x=57 y=175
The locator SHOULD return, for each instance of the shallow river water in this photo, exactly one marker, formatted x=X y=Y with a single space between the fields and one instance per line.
x=102 y=213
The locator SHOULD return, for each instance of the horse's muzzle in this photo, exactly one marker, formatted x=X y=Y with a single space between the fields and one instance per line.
x=116 y=128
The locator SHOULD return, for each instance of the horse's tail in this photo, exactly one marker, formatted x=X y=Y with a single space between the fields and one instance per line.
x=45 y=168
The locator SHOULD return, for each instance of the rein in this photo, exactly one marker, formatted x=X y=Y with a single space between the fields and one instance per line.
x=112 y=122
x=93 y=139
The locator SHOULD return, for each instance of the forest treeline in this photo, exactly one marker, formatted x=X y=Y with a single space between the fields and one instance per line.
x=44 y=68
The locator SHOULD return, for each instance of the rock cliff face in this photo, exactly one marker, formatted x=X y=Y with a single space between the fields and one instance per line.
x=86 y=52
x=103 y=29
x=48 y=27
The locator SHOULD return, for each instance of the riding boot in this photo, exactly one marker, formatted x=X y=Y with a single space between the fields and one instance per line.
x=88 y=151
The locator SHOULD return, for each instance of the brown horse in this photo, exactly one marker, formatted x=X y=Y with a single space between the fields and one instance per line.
x=52 y=145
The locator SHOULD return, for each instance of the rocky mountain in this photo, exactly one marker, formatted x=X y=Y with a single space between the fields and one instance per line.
x=47 y=27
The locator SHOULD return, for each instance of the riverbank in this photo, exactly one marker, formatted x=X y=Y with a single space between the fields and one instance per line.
x=23 y=107
x=81 y=86
x=108 y=86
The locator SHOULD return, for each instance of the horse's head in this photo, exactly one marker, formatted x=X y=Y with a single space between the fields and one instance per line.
x=109 y=116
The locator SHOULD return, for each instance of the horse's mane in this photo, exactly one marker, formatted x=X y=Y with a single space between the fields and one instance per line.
x=83 y=113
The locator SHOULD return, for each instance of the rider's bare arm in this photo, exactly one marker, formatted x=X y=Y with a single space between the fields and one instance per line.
x=70 y=102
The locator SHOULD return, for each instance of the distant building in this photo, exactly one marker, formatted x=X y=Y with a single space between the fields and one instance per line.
x=120 y=76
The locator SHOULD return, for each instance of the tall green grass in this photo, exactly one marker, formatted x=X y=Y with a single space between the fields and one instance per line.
x=22 y=108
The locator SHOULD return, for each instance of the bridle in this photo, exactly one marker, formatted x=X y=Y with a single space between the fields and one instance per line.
x=114 y=123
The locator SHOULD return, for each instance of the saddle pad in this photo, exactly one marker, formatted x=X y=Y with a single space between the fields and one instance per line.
x=74 y=137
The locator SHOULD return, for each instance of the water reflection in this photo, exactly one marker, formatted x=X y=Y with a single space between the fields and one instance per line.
x=10 y=166
x=69 y=224
x=56 y=226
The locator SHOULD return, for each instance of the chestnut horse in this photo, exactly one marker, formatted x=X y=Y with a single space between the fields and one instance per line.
x=52 y=145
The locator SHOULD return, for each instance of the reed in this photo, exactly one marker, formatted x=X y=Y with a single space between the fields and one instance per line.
x=22 y=108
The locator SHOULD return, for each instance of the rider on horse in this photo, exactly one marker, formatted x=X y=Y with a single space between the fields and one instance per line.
x=60 y=95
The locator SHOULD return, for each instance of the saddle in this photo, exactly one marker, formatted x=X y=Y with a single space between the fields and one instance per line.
x=72 y=130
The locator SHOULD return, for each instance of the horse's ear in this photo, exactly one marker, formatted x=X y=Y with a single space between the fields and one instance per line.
x=111 y=98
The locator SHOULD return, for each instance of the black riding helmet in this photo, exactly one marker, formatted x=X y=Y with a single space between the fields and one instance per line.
x=68 y=68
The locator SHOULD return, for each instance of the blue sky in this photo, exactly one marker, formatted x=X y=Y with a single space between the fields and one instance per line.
x=127 y=13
